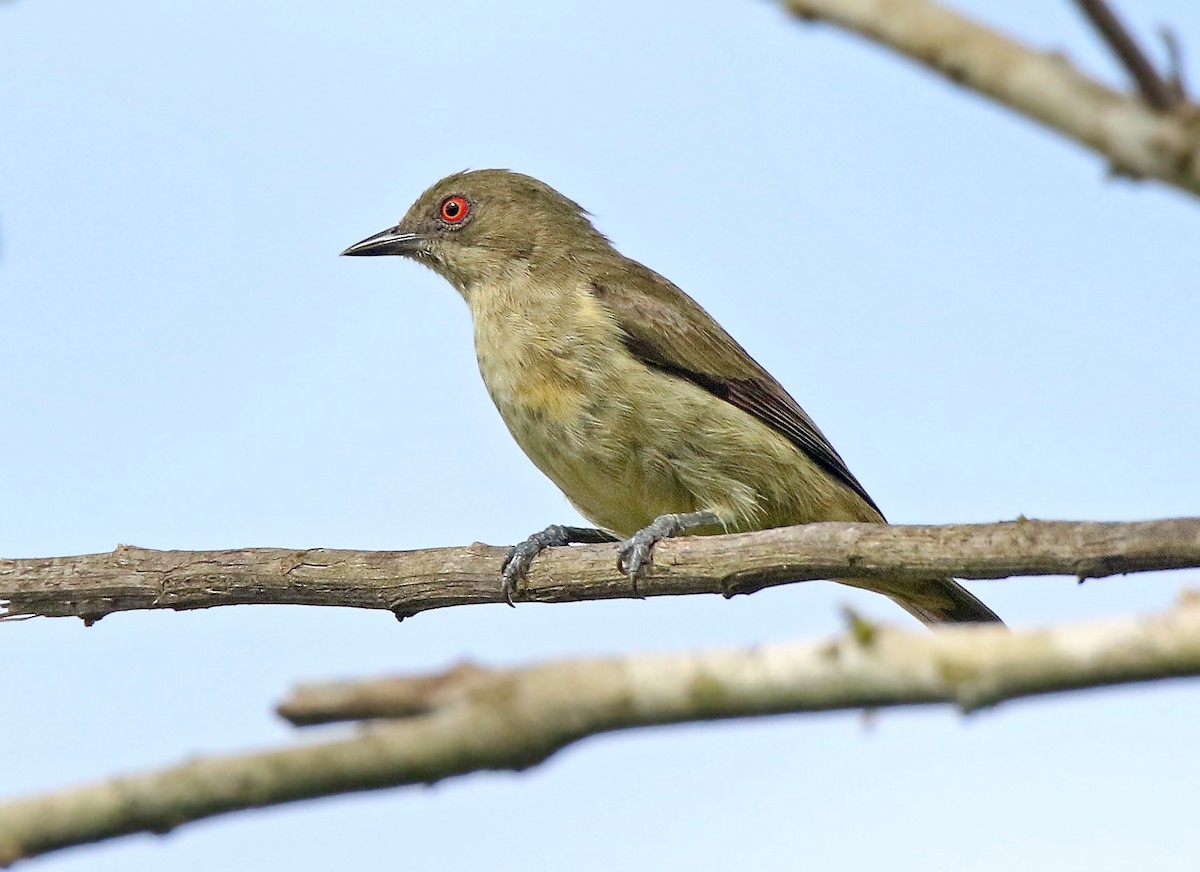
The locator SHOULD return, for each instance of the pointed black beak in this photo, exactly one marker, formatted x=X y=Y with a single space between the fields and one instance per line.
x=390 y=241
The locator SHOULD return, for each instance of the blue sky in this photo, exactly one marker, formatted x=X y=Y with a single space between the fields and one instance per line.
x=980 y=321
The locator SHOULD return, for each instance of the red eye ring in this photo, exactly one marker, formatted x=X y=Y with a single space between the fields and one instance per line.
x=454 y=209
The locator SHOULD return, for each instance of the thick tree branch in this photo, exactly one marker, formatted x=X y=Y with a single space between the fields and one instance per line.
x=472 y=719
x=407 y=582
x=1137 y=139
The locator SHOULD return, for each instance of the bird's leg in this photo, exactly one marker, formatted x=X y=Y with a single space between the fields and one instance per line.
x=637 y=551
x=520 y=556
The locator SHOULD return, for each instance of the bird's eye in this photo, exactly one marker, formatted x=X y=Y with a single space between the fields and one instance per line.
x=454 y=209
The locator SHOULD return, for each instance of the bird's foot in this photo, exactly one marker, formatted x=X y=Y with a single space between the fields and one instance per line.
x=520 y=557
x=637 y=552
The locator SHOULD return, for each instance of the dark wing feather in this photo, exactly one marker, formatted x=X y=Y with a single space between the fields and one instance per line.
x=668 y=330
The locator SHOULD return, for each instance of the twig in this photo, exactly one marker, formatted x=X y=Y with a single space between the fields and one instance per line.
x=1155 y=90
x=1175 y=80
x=472 y=719
x=407 y=582
x=1138 y=140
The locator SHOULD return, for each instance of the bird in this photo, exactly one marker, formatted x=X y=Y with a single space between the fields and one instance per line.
x=649 y=417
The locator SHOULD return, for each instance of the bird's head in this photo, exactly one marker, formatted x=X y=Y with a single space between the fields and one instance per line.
x=488 y=227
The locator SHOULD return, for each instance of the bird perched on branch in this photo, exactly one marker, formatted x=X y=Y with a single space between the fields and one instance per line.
x=651 y=419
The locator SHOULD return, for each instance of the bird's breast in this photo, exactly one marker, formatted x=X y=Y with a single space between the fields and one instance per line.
x=557 y=374
x=532 y=369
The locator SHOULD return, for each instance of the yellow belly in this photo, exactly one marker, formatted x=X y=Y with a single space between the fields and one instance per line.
x=627 y=443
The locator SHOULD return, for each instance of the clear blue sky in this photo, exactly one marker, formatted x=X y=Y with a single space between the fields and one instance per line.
x=981 y=322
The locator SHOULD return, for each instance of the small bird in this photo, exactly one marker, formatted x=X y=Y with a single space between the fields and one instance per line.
x=648 y=416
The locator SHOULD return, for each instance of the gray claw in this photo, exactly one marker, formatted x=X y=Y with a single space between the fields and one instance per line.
x=515 y=568
x=635 y=556
x=520 y=557
x=637 y=552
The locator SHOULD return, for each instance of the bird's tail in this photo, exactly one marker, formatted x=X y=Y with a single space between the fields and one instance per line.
x=931 y=601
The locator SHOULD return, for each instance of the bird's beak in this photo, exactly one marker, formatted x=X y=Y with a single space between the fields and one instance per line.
x=390 y=241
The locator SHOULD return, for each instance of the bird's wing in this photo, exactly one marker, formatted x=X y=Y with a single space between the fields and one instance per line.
x=668 y=330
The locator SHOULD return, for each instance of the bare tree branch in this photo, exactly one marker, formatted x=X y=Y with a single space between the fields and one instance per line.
x=407 y=582
x=1156 y=91
x=1137 y=139
x=471 y=719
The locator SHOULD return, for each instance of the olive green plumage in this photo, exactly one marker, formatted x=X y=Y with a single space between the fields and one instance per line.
x=622 y=389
